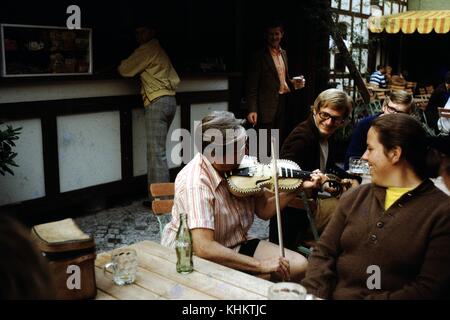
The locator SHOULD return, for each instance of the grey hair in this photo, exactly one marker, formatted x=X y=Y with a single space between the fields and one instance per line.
x=222 y=121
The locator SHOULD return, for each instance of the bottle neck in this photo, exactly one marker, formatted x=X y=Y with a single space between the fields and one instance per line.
x=183 y=223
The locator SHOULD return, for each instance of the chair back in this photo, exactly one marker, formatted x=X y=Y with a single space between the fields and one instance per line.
x=411 y=85
x=158 y=190
x=162 y=207
x=421 y=101
x=396 y=87
x=444 y=113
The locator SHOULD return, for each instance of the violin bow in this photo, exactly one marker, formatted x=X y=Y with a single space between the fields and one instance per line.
x=277 y=197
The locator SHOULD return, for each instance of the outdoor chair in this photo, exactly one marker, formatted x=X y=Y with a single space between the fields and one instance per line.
x=421 y=101
x=444 y=113
x=409 y=90
x=411 y=85
x=374 y=107
x=162 y=207
x=396 y=87
x=304 y=203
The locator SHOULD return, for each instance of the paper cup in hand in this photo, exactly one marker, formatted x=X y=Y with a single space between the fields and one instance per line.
x=299 y=82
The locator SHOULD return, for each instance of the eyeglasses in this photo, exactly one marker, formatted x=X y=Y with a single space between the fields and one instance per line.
x=392 y=109
x=326 y=116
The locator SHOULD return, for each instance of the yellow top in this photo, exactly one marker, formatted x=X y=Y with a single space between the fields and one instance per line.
x=393 y=194
x=158 y=76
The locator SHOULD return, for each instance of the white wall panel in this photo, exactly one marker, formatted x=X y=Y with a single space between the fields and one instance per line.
x=88 y=149
x=28 y=180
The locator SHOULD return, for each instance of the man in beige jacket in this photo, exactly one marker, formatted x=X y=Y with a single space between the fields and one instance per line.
x=159 y=81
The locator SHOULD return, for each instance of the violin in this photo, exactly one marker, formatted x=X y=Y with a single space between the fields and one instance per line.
x=251 y=177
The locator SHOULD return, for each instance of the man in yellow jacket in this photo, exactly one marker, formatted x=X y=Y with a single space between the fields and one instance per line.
x=159 y=82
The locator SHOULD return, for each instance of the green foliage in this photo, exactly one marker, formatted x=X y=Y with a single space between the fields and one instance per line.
x=7 y=144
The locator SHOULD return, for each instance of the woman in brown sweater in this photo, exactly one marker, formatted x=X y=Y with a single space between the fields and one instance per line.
x=389 y=239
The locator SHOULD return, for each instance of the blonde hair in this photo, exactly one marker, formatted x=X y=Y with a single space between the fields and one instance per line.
x=335 y=99
x=401 y=97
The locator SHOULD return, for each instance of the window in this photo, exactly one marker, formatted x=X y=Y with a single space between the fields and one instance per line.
x=345 y=5
x=355 y=18
x=387 y=7
x=366 y=7
x=356 y=6
x=335 y=4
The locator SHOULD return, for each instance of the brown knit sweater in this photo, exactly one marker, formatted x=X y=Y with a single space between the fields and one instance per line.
x=410 y=243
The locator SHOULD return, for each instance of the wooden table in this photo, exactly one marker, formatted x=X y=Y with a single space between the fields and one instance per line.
x=157 y=278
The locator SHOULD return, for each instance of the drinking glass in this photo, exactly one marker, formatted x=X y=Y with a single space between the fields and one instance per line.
x=287 y=291
x=357 y=165
x=123 y=266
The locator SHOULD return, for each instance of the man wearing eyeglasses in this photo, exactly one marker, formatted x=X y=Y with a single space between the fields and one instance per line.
x=311 y=146
x=396 y=102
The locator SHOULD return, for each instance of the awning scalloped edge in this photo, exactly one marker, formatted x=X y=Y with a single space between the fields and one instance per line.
x=410 y=21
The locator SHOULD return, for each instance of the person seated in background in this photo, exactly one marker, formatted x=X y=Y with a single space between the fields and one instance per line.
x=396 y=102
x=220 y=221
x=389 y=239
x=438 y=99
x=442 y=145
x=377 y=78
x=311 y=145
x=24 y=273
x=399 y=79
x=388 y=75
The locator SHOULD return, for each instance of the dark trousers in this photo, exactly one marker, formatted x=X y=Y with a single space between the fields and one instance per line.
x=294 y=226
x=276 y=123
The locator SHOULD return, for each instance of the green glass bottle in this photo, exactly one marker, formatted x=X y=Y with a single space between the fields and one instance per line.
x=183 y=247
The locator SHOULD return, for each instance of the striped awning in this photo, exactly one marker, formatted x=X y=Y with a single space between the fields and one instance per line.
x=410 y=21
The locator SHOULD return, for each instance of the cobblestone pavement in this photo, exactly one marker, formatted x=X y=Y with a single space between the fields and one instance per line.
x=130 y=223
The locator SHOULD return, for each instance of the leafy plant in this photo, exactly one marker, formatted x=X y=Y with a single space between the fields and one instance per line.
x=7 y=144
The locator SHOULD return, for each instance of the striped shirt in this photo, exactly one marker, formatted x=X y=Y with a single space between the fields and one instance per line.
x=378 y=79
x=203 y=195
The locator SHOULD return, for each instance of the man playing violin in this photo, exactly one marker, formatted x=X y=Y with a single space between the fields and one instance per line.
x=220 y=221
x=311 y=146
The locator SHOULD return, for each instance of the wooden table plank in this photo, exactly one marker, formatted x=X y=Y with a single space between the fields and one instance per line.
x=148 y=285
x=196 y=280
x=213 y=270
x=102 y=295
x=167 y=287
x=128 y=292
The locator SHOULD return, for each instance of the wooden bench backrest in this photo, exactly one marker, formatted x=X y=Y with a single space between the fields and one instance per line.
x=162 y=206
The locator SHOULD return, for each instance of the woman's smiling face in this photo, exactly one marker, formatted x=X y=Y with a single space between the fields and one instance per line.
x=379 y=163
